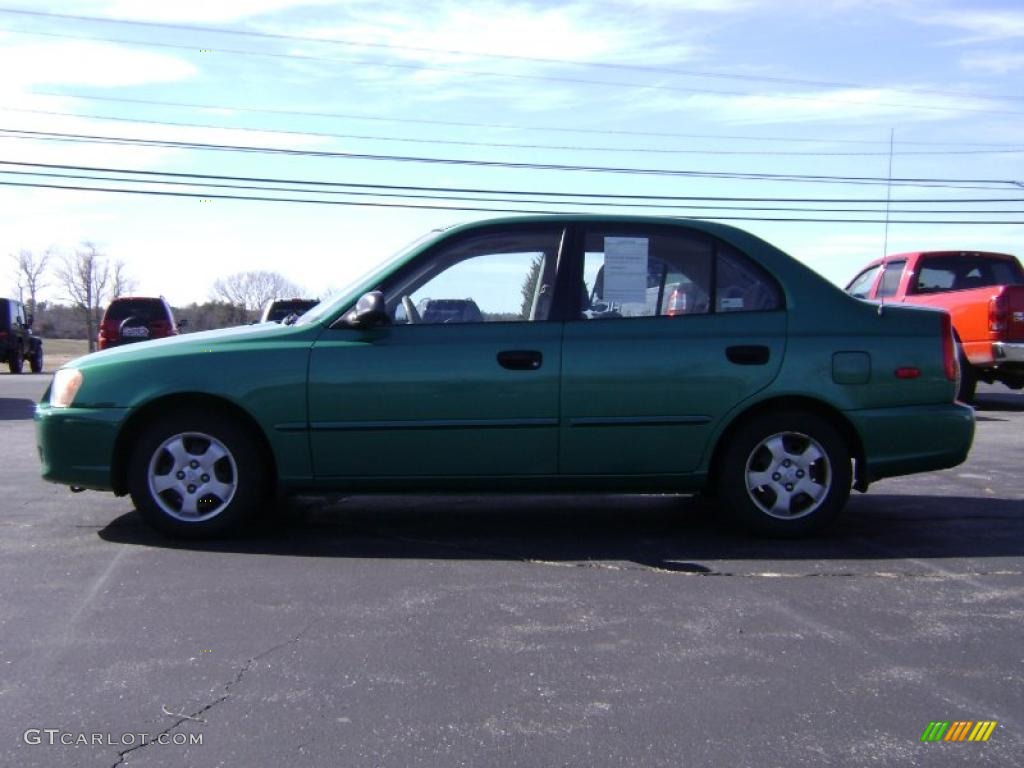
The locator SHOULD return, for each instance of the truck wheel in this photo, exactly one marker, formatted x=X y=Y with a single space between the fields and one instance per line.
x=36 y=361
x=195 y=473
x=16 y=361
x=968 y=381
x=785 y=474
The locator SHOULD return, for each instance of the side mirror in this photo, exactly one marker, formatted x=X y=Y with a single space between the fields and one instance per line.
x=368 y=311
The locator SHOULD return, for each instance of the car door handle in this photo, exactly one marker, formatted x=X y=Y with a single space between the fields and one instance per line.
x=748 y=354
x=520 y=359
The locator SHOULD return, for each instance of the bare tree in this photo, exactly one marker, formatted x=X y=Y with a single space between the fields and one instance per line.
x=31 y=272
x=249 y=291
x=84 y=277
x=120 y=283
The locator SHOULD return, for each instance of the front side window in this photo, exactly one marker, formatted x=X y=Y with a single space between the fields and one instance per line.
x=860 y=286
x=681 y=273
x=491 y=277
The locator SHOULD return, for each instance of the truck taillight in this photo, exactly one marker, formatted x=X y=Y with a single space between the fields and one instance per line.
x=950 y=362
x=997 y=313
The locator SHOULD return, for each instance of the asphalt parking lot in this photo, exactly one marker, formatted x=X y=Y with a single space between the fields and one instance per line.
x=533 y=631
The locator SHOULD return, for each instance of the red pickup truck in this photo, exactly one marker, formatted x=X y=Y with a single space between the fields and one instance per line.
x=984 y=295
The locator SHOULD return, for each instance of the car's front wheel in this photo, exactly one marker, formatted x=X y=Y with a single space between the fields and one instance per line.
x=785 y=474
x=36 y=363
x=196 y=473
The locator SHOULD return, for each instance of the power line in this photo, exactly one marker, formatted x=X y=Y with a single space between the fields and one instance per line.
x=199 y=177
x=501 y=145
x=499 y=126
x=215 y=196
x=647 y=69
x=477 y=199
x=748 y=176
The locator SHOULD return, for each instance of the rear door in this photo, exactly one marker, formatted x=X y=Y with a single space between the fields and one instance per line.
x=676 y=327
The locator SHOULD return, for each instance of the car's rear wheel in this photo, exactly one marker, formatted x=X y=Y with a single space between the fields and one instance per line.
x=785 y=474
x=16 y=361
x=196 y=473
x=36 y=363
x=967 y=386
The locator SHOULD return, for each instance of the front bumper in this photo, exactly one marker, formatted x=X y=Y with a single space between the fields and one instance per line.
x=76 y=445
x=910 y=439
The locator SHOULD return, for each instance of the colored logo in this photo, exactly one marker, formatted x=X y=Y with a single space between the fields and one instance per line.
x=958 y=730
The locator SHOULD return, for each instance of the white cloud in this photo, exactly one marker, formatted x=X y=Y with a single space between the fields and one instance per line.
x=837 y=105
x=699 y=6
x=997 y=63
x=198 y=11
x=87 y=63
x=414 y=63
x=981 y=25
x=568 y=33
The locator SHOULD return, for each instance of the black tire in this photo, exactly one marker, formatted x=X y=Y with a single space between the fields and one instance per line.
x=968 y=384
x=35 y=363
x=797 y=498
x=16 y=361
x=237 y=483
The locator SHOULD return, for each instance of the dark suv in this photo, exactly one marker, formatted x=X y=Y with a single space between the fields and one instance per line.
x=17 y=342
x=136 y=318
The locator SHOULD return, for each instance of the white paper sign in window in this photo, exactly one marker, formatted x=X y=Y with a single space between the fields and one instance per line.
x=625 y=270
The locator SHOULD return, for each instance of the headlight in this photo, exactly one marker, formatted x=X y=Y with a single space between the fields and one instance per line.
x=65 y=385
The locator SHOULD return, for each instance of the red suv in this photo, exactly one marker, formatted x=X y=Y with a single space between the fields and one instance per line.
x=136 y=318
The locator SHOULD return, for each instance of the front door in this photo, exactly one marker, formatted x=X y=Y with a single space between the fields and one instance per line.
x=464 y=380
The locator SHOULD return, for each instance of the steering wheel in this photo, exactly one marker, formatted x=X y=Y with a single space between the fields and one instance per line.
x=412 y=315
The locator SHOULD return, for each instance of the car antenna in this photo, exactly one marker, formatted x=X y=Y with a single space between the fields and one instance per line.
x=885 y=237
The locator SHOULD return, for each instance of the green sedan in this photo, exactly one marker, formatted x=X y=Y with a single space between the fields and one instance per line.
x=557 y=353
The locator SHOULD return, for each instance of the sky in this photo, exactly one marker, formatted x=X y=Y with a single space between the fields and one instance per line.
x=734 y=110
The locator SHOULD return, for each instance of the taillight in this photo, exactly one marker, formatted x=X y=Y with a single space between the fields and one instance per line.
x=997 y=313
x=950 y=362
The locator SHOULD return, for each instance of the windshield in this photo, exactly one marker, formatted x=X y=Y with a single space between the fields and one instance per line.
x=333 y=301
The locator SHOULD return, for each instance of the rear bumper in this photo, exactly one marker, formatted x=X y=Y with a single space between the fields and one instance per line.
x=76 y=445
x=906 y=440
x=1008 y=352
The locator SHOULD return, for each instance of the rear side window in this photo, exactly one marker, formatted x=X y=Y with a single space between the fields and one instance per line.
x=742 y=286
x=147 y=310
x=958 y=272
x=644 y=273
x=891 y=279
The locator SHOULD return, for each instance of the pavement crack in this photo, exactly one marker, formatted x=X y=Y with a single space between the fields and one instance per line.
x=182 y=717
